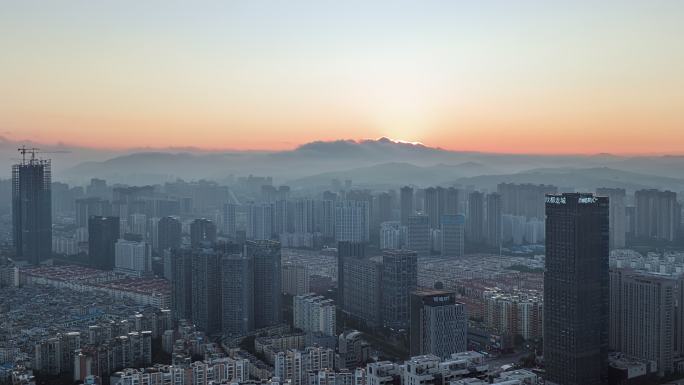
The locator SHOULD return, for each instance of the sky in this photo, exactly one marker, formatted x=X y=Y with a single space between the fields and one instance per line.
x=494 y=76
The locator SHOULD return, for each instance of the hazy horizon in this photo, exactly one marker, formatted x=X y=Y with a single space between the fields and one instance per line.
x=10 y=143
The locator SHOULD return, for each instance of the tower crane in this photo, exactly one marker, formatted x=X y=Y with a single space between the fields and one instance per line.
x=23 y=150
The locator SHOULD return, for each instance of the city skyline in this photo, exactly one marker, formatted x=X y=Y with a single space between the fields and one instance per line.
x=541 y=78
x=316 y=192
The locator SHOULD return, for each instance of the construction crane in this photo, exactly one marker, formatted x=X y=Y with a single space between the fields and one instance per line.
x=23 y=150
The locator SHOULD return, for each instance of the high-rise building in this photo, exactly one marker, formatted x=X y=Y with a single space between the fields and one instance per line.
x=399 y=279
x=268 y=193
x=453 y=235
x=576 y=289
x=153 y=232
x=658 y=215
x=314 y=314
x=352 y=221
x=181 y=283
x=230 y=219
x=103 y=232
x=304 y=216
x=451 y=201
x=283 y=193
x=260 y=221
x=384 y=208
x=132 y=258
x=169 y=231
x=439 y=325
x=514 y=313
x=475 y=220
x=418 y=234
x=645 y=319
x=214 y=288
x=325 y=217
x=88 y=207
x=267 y=281
x=617 y=220
x=392 y=235
x=137 y=224
x=282 y=216
x=525 y=200
x=346 y=249
x=630 y=216
x=435 y=205
x=514 y=228
x=362 y=289
x=295 y=279
x=206 y=289
x=237 y=294
x=202 y=231
x=406 y=204
x=32 y=209
x=534 y=231
x=98 y=188
x=494 y=222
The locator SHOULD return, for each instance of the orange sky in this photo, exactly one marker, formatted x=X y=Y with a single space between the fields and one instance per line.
x=529 y=77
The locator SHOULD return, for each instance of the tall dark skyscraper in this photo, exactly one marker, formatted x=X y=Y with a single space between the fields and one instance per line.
x=181 y=284
x=346 y=249
x=399 y=279
x=237 y=290
x=103 y=232
x=214 y=287
x=475 y=219
x=267 y=281
x=406 y=204
x=206 y=299
x=576 y=289
x=202 y=230
x=169 y=230
x=32 y=209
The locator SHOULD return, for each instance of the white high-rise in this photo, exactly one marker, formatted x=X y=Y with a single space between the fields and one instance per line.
x=352 y=221
x=132 y=258
x=392 y=235
x=314 y=314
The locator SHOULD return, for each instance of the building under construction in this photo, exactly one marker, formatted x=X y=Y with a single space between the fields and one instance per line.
x=32 y=207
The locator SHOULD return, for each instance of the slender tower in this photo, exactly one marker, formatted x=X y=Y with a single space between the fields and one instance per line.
x=32 y=207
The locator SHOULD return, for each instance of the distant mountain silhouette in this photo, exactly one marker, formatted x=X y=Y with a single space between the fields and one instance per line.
x=373 y=162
